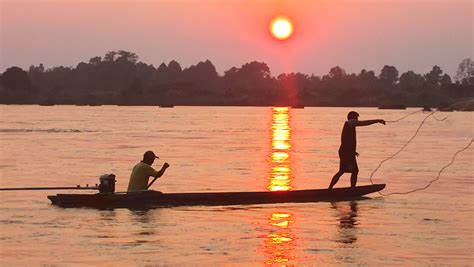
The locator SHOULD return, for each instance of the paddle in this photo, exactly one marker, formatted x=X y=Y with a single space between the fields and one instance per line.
x=160 y=173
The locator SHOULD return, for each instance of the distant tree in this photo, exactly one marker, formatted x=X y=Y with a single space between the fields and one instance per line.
x=16 y=80
x=174 y=67
x=365 y=75
x=368 y=81
x=337 y=72
x=174 y=72
x=145 y=73
x=253 y=71
x=203 y=75
x=39 y=69
x=110 y=56
x=125 y=56
x=293 y=88
x=434 y=76
x=411 y=81
x=17 y=86
x=161 y=74
x=465 y=71
x=445 y=80
x=249 y=84
x=36 y=75
x=95 y=60
x=162 y=68
x=256 y=70
x=388 y=75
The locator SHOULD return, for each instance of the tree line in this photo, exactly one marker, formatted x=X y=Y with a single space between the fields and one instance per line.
x=119 y=78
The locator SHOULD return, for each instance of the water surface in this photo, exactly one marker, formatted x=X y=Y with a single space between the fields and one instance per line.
x=234 y=149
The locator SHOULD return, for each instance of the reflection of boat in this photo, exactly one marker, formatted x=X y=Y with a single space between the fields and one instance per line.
x=156 y=199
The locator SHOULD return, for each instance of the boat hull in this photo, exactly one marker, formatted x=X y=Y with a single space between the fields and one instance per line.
x=148 y=199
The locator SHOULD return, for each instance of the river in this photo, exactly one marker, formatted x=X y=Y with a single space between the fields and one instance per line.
x=235 y=149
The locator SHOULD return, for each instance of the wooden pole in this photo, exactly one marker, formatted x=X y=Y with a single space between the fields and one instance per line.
x=51 y=188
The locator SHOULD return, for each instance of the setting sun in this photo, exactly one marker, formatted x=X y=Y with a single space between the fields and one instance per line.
x=281 y=28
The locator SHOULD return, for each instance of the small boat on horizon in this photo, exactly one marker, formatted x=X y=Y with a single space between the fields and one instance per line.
x=392 y=106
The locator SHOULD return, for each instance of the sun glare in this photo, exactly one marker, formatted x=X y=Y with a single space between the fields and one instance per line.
x=281 y=28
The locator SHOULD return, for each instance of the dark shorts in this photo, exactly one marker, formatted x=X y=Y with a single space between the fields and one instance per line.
x=348 y=162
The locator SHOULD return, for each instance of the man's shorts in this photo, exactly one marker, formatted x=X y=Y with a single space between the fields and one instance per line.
x=347 y=163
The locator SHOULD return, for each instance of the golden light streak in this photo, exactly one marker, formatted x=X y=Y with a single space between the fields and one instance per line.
x=279 y=244
x=280 y=176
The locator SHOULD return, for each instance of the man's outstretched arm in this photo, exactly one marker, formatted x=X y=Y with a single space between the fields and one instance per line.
x=368 y=122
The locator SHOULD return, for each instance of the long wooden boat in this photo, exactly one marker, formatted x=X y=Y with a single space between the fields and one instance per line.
x=145 y=199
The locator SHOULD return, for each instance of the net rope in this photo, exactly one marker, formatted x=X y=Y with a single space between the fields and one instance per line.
x=431 y=114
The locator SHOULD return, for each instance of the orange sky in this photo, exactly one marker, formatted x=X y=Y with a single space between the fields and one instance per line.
x=409 y=34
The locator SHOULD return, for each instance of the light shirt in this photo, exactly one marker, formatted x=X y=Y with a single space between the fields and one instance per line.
x=139 y=177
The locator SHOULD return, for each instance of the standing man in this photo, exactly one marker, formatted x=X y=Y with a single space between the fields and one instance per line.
x=347 y=150
x=142 y=172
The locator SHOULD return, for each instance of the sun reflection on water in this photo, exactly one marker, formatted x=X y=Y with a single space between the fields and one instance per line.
x=280 y=179
x=279 y=244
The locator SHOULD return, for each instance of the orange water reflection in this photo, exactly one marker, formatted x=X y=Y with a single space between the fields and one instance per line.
x=280 y=175
x=279 y=244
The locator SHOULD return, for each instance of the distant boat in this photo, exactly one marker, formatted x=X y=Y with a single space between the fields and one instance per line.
x=393 y=106
x=297 y=106
x=448 y=109
x=428 y=109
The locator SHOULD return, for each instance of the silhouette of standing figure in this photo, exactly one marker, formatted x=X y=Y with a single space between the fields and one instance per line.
x=347 y=150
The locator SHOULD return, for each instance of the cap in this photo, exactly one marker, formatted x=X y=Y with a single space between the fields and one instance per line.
x=352 y=115
x=150 y=155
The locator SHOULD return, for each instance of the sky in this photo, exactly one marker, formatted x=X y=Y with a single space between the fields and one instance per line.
x=364 y=34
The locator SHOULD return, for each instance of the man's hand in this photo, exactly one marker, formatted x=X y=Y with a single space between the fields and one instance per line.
x=382 y=122
x=166 y=165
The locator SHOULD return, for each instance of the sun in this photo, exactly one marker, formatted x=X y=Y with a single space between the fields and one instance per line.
x=281 y=28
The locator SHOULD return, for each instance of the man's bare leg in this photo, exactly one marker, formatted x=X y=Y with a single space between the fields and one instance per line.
x=354 y=178
x=335 y=179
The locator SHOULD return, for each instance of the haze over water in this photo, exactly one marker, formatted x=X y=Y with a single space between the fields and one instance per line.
x=234 y=149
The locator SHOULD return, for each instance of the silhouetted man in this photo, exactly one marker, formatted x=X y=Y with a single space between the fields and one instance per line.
x=142 y=172
x=347 y=150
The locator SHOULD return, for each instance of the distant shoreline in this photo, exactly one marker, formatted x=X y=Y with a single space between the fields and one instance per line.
x=118 y=78
x=456 y=107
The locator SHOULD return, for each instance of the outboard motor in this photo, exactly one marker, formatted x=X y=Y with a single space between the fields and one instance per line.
x=107 y=183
